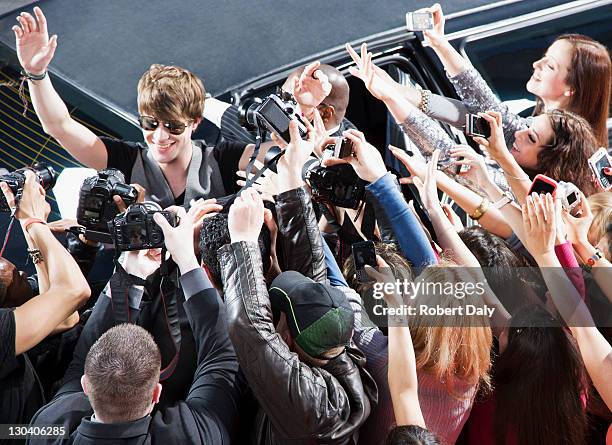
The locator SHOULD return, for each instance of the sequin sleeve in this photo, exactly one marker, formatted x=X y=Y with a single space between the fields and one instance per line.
x=478 y=97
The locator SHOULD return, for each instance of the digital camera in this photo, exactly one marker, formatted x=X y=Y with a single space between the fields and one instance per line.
x=45 y=175
x=341 y=148
x=569 y=194
x=338 y=184
x=274 y=113
x=96 y=206
x=136 y=230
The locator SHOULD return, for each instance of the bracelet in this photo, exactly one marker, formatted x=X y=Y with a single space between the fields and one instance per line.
x=31 y=76
x=424 y=105
x=593 y=259
x=28 y=222
x=35 y=256
x=480 y=210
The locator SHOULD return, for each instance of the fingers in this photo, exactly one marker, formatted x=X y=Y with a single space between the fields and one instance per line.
x=162 y=222
x=433 y=164
x=119 y=203
x=353 y=55
x=52 y=45
x=481 y=141
x=311 y=133
x=278 y=141
x=25 y=26
x=8 y=194
x=373 y=273
x=141 y=192
x=294 y=132
x=18 y=32
x=40 y=18
x=334 y=161
x=310 y=70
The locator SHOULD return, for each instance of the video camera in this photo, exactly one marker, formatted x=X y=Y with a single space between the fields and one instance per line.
x=96 y=206
x=45 y=175
x=137 y=230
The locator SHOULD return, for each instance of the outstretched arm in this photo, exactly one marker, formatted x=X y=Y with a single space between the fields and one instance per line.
x=35 y=50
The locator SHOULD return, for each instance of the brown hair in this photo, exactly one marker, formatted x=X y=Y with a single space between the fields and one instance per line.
x=171 y=93
x=589 y=77
x=122 y=368
x=566 y=158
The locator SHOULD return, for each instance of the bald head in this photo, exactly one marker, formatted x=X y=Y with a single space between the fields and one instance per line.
x=14 y=287
x=335 y=104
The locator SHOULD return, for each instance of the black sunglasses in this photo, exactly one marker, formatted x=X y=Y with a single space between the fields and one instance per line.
x=149 y=123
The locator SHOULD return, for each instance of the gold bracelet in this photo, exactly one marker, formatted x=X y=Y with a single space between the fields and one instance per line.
x=480 y=210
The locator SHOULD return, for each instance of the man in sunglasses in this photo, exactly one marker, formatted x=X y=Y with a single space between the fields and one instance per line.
x=171 y=167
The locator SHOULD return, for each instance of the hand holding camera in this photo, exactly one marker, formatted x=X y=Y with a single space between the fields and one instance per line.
x=577 y=226
x=32 y=203
x=296 y=154
x=434 y=37
x=496 y=143
x=179 y=238
x=365 y=159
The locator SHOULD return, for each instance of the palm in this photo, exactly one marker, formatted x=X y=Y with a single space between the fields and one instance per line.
x=310 y=92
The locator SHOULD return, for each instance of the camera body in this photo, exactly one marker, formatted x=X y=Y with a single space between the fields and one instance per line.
x=419 y=21
x=341 y=148
x=96 y=206
x=45 y=175
x=274 y=113
x=569 y=194
x=136 y=230
x=338 y=184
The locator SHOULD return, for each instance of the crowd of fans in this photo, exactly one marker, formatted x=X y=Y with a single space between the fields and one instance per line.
x=255 y=324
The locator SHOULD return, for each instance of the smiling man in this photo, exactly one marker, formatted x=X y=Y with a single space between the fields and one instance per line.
x=171 y=167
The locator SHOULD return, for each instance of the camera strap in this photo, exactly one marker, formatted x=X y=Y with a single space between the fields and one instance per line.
x=8 y=231
x=168 y=292
x=253 y=157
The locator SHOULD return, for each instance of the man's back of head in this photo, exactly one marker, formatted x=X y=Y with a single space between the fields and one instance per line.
x=122 y=374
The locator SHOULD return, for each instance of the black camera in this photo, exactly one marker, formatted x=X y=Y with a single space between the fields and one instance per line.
x=341 y=148
x=96 y=205
x=338 y=185
x=45 y=175
x=136 y=230
x=274 y=113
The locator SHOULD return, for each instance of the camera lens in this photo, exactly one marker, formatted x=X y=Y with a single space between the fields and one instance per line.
x=46 y=175
x=247 y=113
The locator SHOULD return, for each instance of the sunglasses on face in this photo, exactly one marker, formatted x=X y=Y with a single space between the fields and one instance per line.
x=150 y=123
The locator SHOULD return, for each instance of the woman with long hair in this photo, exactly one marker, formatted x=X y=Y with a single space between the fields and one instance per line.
x=573 y=75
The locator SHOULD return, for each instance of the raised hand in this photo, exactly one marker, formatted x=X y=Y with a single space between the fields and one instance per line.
x=311 y=87
x=577 y=227
x=366 y=159
x=246 y=217
x=477 y=172
x=428 y=189
x=380 y=85
x=435 y=37
x=34 y=47
x=414 y=165
x=496 y=143
x=32 y=203
x=540 y=224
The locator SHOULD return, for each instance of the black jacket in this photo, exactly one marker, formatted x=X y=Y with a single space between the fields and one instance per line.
x=299 y=404
x=206 y=416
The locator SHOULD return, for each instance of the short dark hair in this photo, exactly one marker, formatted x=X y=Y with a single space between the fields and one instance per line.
x=410 y=435
x=122 y=368
x=214 y=235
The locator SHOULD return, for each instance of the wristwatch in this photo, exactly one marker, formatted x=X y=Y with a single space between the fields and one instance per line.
x=506 y=199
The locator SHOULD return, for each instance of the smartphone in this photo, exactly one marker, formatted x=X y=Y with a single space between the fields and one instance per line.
x=477 y=126
x=341 y=148
x=363 y=253
x=543 y=184
x=419 y=21
x=600 y=160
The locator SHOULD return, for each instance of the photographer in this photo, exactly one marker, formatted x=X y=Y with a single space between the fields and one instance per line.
x=62 y=290
x=116 y=381
x=170 y=166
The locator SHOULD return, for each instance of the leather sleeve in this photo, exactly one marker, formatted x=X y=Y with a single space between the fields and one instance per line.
x=285 y=387
x=299 y=235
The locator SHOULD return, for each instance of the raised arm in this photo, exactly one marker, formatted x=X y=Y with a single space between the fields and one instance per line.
x=539 y=219
x=35 y=50
x=68 y=289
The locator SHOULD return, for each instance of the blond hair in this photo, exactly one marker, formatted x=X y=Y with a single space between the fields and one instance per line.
x=171 y=93
x=601 y=206
x=452 y=347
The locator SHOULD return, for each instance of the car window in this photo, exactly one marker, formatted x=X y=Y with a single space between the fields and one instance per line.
x=505 y=60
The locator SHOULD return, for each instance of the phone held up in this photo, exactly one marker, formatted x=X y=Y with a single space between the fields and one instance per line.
x=363 y=253
x=419 y=21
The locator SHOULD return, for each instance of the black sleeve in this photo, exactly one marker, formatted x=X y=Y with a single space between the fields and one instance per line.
x=8 y=361
x=121 y=155
x=228 y=156
x=215 y=386
x=231 y=128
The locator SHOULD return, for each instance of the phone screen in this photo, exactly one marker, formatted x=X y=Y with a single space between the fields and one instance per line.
x=601 y=164
x=364 y=253
x=542 y=187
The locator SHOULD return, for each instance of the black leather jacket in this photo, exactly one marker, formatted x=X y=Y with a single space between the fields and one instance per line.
x=298 y=403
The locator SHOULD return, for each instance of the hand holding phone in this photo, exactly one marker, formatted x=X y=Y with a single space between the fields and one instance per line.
x=419 y=21
x=363 y=253
x=542 y=184
x=601 y=163
x=477 y=126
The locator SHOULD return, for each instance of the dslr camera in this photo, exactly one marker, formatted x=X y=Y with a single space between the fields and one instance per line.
x=338 y=184
x=136 y=230
x=96 y=206
x=45 y=175
x=274 y=113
